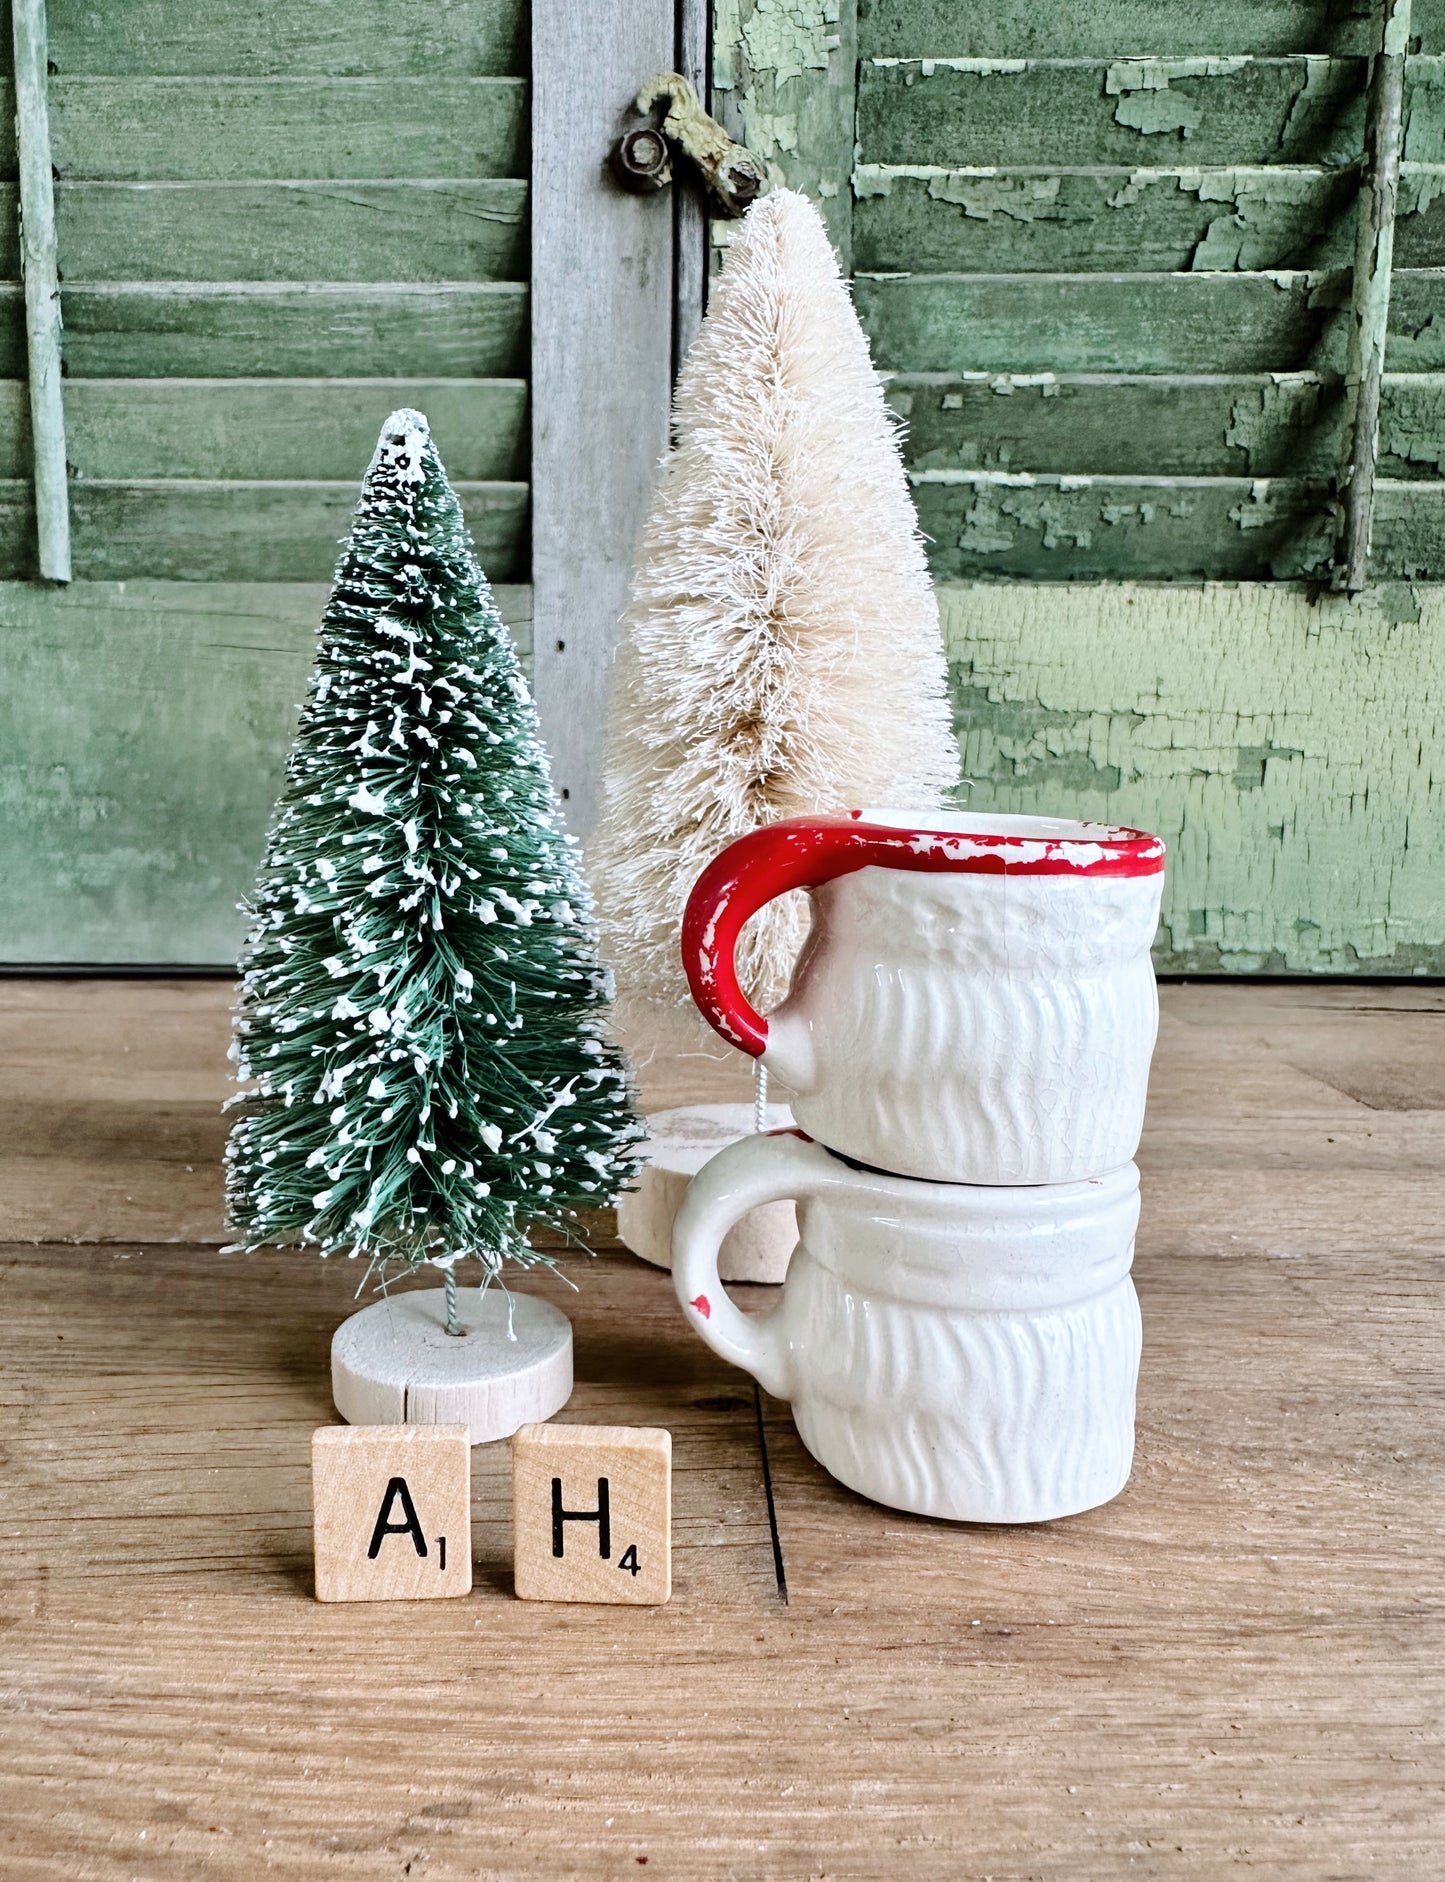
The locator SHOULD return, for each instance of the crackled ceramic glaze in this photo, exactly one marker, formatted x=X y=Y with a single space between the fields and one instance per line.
x=967 y=1352
x=975 y=1002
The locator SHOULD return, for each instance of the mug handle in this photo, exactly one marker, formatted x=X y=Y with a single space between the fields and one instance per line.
x=803 y=853
x=755 y=1170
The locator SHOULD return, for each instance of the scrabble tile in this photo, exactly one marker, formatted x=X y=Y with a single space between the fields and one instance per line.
x=592 y=1513
x=393 y=1512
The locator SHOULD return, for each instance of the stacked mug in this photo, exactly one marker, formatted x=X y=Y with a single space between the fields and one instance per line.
x=967 y=1035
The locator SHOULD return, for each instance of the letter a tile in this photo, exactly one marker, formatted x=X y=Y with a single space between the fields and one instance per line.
x=393 y=1508
x=592 y=1513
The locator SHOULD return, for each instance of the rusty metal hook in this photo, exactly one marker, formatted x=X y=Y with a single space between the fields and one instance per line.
x=642 y=156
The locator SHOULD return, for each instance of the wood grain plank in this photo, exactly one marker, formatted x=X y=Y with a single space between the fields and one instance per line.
x=1123 y=111
x=118 y=697
x=602 y=291
x=331 y=232
x=1014 y=29
x=929 y=219
x=1183 y=1684
x=239 y=330
x=341 y=38
x=222 y=429
x=1111 y=323
x=285 y=531
x=239 y=129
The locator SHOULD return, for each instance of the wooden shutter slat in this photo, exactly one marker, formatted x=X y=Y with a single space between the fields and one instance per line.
x=140 y=129
x=1115 y=111
x=236 y=531
x=1149 y=323
x=1177 y=424
x=283 y=231
x=1029 y=220
x=985 y=523
x=294 y=329
x=216 y=429
x=337 y=39
x=1013 y=29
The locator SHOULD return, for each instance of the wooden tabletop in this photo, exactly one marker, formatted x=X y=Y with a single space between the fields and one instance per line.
x=1238 y=1665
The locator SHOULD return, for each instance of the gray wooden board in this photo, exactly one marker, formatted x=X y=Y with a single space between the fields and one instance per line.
x=279 y=231
x=1121 y=111
x=601 y=364
x=237 y=129
x=1258 y=425
x=339 y=38
x=1015 y=29
x=119 y=699
x=289 y=329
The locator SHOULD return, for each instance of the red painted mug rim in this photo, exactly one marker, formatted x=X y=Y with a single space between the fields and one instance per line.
x=980 y=842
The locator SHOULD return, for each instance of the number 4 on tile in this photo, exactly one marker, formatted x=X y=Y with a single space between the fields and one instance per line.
x=592 y=1513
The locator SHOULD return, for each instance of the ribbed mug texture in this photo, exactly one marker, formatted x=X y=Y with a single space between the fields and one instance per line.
x=965 y=1352
x=974 y=1028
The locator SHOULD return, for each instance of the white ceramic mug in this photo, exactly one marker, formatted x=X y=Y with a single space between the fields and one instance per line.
x=975 y=1002
x=968 y=1352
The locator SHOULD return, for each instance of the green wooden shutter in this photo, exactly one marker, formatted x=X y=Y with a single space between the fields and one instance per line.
x=275 y=224
x=1149 y=256
x=1104 y=257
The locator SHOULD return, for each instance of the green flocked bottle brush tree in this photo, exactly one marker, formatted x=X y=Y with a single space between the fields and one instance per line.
x=419 y=1032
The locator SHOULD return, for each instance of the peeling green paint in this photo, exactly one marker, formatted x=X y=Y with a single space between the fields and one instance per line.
x=1318 y=93
x=1290 y=751
x=1060 y=527
x=1249 y=776
x=1146 y=102
x=1284 y=402
x=1248 y=236
x=1424 y=125
x=790 y=37
x=915 y=68
x=786 y=74
x=1078 y=217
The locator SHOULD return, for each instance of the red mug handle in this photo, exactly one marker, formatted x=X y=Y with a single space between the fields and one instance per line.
x=801 y=854
x=809 y=851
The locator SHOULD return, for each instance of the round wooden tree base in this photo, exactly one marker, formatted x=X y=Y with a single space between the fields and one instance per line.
x=395 y=1363
x=759 y=1247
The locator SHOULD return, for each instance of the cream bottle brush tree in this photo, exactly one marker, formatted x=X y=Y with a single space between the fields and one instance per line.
x=781 y=652
x=421 y=1002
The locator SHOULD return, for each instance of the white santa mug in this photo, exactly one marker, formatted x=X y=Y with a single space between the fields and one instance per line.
x=967 y=1352
x=975 y=1002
